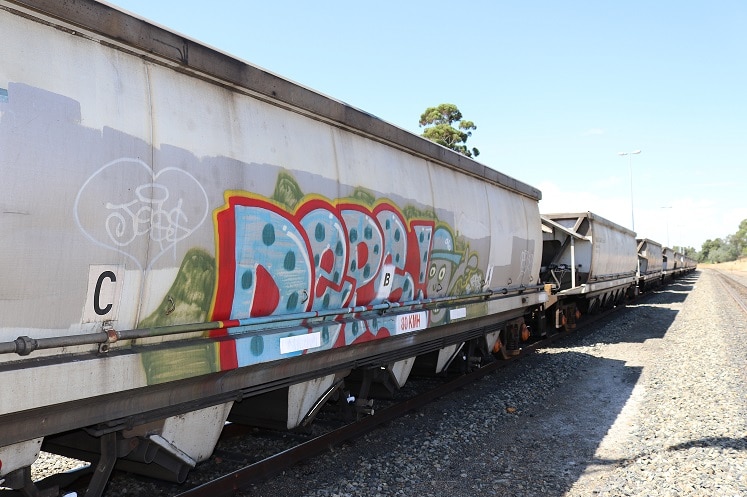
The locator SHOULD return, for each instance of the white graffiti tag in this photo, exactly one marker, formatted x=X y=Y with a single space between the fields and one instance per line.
x=125 y=202
x=147 y=214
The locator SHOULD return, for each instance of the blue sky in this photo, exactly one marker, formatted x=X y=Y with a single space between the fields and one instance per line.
x=556 y=89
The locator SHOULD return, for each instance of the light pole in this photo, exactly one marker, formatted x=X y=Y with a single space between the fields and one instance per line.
x=630 y=166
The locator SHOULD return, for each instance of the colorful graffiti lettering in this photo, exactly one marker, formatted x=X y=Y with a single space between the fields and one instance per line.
x=322 y=255
x=293 y=253
x=287 y=254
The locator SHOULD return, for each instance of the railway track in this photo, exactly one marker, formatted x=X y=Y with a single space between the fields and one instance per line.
x=244 y=467
x=295 y=447
x=292 y=448
x=276 y=464
x=242 y=478
x=736 y=289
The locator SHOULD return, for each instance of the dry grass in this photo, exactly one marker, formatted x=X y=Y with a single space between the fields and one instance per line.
x=738 y=265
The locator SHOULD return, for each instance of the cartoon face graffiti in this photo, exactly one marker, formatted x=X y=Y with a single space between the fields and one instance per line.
x=444 y=262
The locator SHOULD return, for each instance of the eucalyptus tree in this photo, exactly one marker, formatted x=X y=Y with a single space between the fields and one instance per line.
x=439 y=123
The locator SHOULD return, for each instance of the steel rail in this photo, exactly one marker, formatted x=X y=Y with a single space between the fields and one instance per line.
x=276 y=464
x=267 y=468
x=734 y=288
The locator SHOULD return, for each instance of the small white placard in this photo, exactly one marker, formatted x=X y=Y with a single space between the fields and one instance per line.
x=105 y=284
x=387 y=278
x=458 y=313
x=415 y=321
x=298 y=343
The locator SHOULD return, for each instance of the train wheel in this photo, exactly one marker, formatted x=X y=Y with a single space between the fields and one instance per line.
x=606 y=301
x=509 y=340
x=568 y=316
x=499 y=349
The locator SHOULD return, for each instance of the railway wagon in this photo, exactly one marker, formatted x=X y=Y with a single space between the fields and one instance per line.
x=588 y=263
x=673 y=264
x=183 y=233
x=669 y=263
x=689 y=263
x=650 y=264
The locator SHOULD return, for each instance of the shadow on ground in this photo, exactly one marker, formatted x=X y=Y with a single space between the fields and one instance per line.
x=537 y=439
x=653 y=312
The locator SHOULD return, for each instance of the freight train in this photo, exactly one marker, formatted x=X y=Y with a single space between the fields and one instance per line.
x=186 y=240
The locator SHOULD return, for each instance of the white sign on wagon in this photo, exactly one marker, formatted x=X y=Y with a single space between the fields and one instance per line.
x=105 y=284
x=459 y=313
x=414 y=321
x=298 y=343
x=387 y=278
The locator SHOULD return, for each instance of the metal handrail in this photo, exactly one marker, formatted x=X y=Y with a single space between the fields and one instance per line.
x=24 y=345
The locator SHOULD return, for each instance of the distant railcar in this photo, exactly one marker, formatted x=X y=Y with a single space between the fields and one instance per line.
x=589 y=263
x=672 y=264
x=650 y=264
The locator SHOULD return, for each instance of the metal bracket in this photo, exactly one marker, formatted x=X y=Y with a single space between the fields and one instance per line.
x=112 y=336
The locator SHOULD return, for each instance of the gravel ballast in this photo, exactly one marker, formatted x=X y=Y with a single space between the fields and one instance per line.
x=653 y=402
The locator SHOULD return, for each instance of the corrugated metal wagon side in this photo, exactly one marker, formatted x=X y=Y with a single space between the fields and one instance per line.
x=650 y=264
x=588 y=262
x=182 y=234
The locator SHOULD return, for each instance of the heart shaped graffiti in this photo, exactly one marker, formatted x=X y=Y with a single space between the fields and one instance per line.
x=127 y=207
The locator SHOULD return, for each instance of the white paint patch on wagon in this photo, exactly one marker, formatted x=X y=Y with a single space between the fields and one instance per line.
x=298 y=343
x=458 y=313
